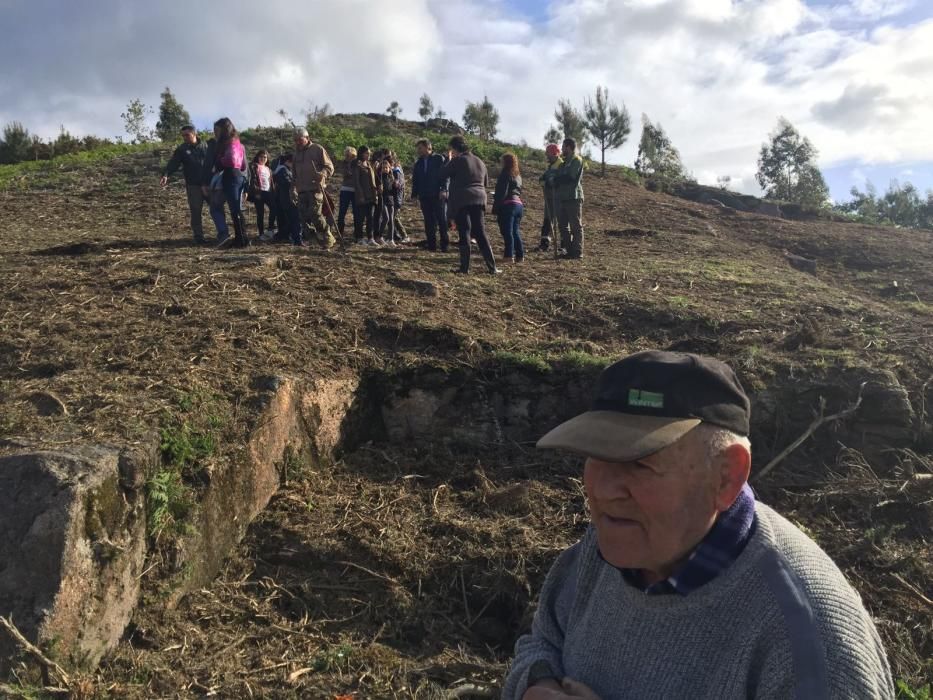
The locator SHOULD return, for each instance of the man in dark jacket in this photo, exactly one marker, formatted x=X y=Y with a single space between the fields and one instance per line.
x=467 y=202
x=189 y=156
x=430 y=189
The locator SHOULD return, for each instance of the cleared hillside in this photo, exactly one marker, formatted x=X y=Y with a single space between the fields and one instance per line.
x=106 y=305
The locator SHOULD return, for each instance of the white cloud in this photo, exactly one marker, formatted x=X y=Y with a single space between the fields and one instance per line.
x=716 y=73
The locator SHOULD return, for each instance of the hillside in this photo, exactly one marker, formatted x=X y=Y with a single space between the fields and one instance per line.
x=409 y=562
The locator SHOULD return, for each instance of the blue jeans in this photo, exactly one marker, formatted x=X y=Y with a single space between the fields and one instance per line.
x=234 y=183
x=217 y=214
x=347 y=198
x=510 y=219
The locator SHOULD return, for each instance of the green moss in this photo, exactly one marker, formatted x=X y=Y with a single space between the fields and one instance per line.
x=522 y=360
x=104 y=510
x=907 y=692
x=579 y=360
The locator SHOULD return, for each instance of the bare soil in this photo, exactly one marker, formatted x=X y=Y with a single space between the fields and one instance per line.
x=405 y=570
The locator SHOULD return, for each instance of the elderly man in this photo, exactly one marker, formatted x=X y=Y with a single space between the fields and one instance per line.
x=684 y=586
x=312 y=166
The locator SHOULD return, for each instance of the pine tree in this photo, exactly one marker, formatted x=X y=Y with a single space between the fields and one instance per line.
x=608 y=124
x=16 y=145
x=570 y=123
x=787 y=168
x=481 y=118
x=658 y=160
x=426 y=108
x=172 y=116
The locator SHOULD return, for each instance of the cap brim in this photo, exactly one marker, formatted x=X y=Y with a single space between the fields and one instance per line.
x=617 y=437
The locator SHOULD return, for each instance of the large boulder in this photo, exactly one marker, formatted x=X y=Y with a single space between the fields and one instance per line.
x=72 y=547
x=294 y=420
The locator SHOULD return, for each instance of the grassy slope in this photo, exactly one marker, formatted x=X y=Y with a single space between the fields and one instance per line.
x=103 y=302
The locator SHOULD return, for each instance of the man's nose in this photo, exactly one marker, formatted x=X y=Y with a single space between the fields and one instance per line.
x=610 y=481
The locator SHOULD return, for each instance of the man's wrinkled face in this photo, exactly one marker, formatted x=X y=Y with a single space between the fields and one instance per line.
x=302 y=141
x=651 y=513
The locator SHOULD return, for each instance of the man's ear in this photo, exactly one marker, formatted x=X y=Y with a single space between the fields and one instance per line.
x=735 y=464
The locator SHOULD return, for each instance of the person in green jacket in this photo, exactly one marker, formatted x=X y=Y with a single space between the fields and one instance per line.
x=569 y=195
x=548 y=226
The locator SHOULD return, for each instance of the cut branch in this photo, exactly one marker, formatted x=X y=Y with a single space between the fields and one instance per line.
x=47 y=664
x=820 y=420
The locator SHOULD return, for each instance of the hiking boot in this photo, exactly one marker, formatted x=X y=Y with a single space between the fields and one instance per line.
x=225 y=243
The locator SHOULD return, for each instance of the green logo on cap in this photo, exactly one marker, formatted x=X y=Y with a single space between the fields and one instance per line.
x=645 y=399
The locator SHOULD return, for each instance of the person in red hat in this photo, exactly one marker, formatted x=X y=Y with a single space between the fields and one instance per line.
x=685 y=585
x=548 y=227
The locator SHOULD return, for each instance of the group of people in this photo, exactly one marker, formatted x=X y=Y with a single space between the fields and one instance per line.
x=450 y=188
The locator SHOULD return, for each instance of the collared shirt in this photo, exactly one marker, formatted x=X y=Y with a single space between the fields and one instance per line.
x=716 y=552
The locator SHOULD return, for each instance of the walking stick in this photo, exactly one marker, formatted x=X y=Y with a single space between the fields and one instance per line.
x=327 y=203
x=555 y=231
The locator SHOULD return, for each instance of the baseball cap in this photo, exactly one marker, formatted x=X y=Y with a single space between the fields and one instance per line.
x=648 y=401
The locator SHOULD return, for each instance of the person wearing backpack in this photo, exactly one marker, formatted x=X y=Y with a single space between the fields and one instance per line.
x=225 y=172
x=189 y=156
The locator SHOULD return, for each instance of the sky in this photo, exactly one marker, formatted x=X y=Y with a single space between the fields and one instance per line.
x=852 y=75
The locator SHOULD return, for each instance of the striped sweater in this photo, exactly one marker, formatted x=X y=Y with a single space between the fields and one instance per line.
x=780 y=622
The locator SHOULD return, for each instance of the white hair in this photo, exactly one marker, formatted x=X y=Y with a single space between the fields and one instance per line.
x=718 y=440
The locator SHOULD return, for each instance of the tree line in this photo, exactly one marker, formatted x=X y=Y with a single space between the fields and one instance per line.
x=787 y=162
x=18 y=145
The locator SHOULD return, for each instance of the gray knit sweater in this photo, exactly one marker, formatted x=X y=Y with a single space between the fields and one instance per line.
x=780 y=622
